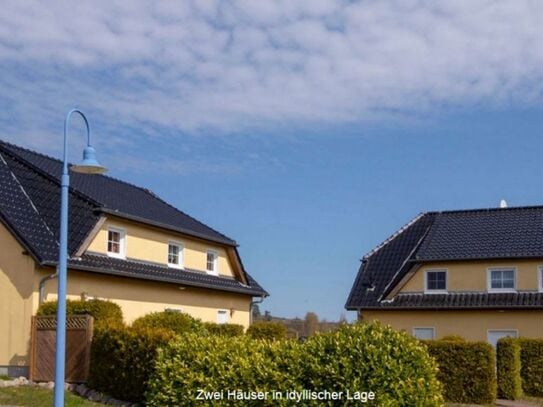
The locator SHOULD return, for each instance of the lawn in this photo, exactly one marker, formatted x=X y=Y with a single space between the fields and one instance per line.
x=534 y=401
x=36 y=396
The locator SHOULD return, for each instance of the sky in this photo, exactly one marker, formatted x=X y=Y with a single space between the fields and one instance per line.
x=308 y=131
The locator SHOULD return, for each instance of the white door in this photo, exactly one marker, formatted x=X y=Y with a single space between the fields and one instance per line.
x=495 y=335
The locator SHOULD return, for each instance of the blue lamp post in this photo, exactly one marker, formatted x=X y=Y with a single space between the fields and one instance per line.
x=89 y=165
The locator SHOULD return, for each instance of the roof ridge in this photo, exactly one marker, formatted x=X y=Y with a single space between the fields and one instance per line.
x=490 y=209
x=394 y=235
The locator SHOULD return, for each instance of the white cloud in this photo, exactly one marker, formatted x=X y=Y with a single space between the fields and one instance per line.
x=233 y=65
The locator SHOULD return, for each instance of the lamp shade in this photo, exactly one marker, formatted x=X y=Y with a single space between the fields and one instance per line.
x=89 y=165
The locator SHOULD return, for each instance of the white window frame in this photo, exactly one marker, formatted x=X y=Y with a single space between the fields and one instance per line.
x=436 y=291
x=540 y=278
x=424 y=327
x=488 y=331
x=122 y=242
x=181 y=255
x=222 y=312
x=501 y=290
x=215 y=271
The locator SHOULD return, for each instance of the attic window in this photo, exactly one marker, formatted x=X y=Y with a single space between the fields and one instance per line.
x=436 y=281
x=116 y=242
x=175 y=255
x=211 y=263
x=501 y=279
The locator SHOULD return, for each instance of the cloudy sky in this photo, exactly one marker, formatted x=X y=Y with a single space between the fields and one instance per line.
x=304 y=129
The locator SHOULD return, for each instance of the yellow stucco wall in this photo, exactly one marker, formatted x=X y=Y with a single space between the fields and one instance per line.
x=470 y=324
x=151 y=244
x=472 y=276
x=16 y=295
x=139 y=297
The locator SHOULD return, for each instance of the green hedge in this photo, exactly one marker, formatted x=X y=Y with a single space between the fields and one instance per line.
x=466 y=369
x=267 y=330
x=122 y=360
x=508 y=359
x=103 y=312
x=357 y=358
x=228 y=330
x=531 y=361
x=177 y=322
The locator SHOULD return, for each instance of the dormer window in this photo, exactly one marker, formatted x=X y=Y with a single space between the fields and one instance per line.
x=540 y=278
x=501 y=279
x=175 y=255
x=211 y=264
x=436 y=281
x=116 y=242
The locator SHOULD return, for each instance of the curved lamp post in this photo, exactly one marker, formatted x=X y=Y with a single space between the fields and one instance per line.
x=89 y=165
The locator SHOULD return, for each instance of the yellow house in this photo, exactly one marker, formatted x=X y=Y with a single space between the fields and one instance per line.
x=125 y=245
x=474 y=273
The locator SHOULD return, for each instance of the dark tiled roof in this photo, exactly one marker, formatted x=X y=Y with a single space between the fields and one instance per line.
x=156 y=272
x=504 y=233
x=30 y=205
x=466 y=300
x=119 y=197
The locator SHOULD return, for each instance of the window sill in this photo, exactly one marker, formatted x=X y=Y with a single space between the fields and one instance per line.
x=436 y=292
x=175 y=266
x=502 y=291
x=116 y=255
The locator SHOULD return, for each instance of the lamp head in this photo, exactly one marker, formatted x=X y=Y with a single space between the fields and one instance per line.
x=89 y=165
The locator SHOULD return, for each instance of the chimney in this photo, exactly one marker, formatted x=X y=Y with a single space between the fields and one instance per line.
x=503 y=203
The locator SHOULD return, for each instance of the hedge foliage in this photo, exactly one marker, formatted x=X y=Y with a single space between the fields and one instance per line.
x=122 y=359
x=267 y=330
x=228 y=330
x=531 y=361
x=357 y=358
x=177 y=322
x=508 y=359
x=466 y=370
x=103 y=312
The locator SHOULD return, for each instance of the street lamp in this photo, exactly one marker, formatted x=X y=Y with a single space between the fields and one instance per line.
x=89 y=165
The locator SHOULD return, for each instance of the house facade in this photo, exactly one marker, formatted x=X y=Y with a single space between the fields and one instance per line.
x=125 y=245
x=474 y=273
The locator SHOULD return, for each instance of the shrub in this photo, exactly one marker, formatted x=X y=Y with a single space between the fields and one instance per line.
x=372 y=357
x=356 y=358
x=177 y=322
x=508 y=358
x=103 y=312
x=267 y=330
x=228 y=330
x=453 y=338
x=531 y=361
x=122 y=360
x=466 y=370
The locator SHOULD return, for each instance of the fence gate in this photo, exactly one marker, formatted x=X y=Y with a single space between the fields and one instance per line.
x=78 y=344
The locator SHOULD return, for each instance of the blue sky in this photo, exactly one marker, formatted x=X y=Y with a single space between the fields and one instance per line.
x=307 y=131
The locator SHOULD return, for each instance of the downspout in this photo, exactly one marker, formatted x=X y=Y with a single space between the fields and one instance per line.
x=253 y=303
x=42 y=285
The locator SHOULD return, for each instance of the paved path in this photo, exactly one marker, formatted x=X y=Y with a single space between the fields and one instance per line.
x=510 y=403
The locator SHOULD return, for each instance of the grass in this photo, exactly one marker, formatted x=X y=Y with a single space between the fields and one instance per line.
x=536 y=401
x=37 y=396
x=4 y=377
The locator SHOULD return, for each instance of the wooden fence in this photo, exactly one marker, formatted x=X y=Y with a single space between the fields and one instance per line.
x=78 y=344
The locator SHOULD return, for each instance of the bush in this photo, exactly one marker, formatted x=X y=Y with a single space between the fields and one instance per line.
x=466 y=370
x=228 y=330
x=508 y=358
x=103 y=312
x=267 y=330
x=177 y=322
x=453 y=338
x=357 y=358
x=122 y=360
x=531 y=371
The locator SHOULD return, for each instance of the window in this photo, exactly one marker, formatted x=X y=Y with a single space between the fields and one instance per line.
x=424 y=333
x=175 y=255
x=494 y=335
x=540 y=278
x=436 y=281
x=115 y=242
x=501 y=279
x=211 y=264
x=222 y=316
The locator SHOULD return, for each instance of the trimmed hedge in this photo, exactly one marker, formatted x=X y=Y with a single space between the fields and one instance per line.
x=103 y=312
x=177 y=322
x=531 y=371
x=357 y=358
x=466 y=370
x=267 y=330
x=228 y=330
x=508 y=359
x=122 y=360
